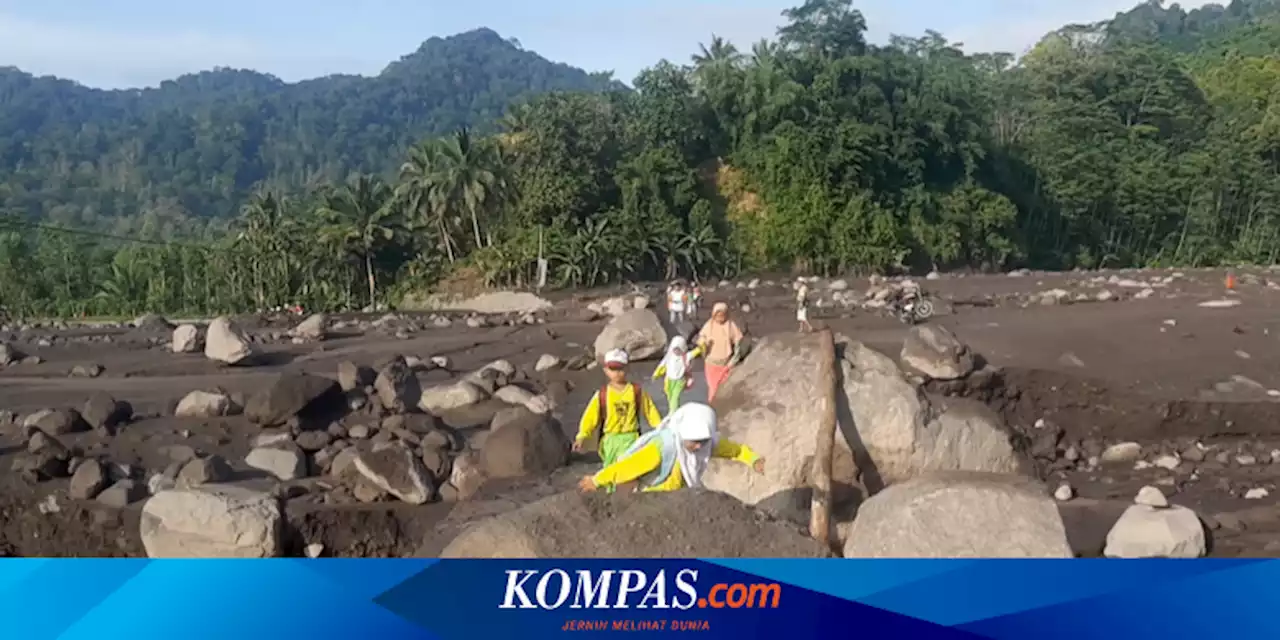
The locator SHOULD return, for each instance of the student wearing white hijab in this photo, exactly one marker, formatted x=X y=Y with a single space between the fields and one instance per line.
x=675 y=455
x=675 y=366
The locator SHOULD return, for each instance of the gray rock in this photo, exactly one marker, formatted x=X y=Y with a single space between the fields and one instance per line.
x=88 y=480
x=101 y=411
x=353 y=376
x=546 y=362
x=208 y=470
x=186 y=339
x=212 y=522
x=122 y=494
x=226 y=343
x=460 y=394
x=639 y=332
x=56 y=421
x=396 y=470
x=1149 y=532
x=1122 y=452
x=936 y=352
x=204 y=404
x=292 y=394
x=523 y=443
x=959 y=515
x=285 y=463
x=397 y=386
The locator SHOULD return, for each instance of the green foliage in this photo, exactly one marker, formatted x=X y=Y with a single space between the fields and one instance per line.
x=1151 y=139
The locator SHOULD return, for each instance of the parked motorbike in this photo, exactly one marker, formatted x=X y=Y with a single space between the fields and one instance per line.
x=913 y=308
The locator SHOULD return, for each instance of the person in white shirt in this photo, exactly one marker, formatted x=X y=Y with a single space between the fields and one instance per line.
x=802 y=308
x=676 y=303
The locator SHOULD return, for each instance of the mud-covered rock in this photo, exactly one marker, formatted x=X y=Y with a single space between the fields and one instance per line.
x=574 y=525
x=523 y=444
x=292 y=394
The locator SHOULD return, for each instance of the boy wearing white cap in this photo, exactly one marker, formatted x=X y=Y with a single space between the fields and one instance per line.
x=616 y=410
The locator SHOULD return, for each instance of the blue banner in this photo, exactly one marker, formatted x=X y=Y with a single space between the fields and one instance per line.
x=790 y=599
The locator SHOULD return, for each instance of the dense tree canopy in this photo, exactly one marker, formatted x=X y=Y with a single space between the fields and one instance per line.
x=1150 y=139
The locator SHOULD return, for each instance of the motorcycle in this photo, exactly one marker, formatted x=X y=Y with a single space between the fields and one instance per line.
x=913 y=308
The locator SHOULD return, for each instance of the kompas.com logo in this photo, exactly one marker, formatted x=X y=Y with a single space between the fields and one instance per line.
x=630 y=589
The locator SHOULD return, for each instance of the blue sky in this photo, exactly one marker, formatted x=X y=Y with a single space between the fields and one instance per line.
x=129 y=43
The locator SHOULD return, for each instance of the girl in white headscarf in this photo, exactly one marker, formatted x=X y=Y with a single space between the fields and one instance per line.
x=675 y=366
x=675 y=455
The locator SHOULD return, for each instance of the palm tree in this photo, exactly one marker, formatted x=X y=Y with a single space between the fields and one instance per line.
x=360 y=217
x=472 y=175
x=421 y=188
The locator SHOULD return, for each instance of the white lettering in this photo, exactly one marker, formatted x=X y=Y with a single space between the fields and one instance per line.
x=632 y=582
x=657 y=591
x=541 y=592
x=588 y=591
x=515 y=589
x=685 y=579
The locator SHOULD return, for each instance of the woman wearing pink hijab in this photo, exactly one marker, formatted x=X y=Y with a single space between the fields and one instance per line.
x=719 y=340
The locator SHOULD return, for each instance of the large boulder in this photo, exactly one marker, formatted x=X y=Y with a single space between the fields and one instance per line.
x=226 y=343
x=293 y=394
x=772 y=403
x=186 y=339
x=574 y=525
x=887 y=430
x=525 y=444
x=959 y=515
x=211 y=521
x=639 y=332
x=897 y=434
x=935 y=352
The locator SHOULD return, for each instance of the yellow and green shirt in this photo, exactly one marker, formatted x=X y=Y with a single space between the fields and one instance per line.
x=623 y=416
x=649 y=458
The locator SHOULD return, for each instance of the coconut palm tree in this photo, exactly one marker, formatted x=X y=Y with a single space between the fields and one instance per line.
x=360 y=218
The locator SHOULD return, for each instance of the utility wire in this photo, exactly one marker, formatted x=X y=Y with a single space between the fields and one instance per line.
x=10 y=222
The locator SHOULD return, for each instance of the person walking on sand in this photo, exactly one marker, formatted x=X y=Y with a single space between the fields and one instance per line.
x=720 y=339
x=676 y=303
x=616 y=411
x=675 y=367
x=675 y=456
x=802 y=308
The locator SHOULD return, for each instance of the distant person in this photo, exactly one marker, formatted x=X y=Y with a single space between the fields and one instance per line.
x=616 y=411
x=675 y=368
x=675 y=303
x=802 y=308
x=694 y=298
x=675 y=456
x=720 y=339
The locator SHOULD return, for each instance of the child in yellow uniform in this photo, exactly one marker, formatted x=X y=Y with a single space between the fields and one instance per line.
x=675 y=456
x=617 y=408
x=675 y=366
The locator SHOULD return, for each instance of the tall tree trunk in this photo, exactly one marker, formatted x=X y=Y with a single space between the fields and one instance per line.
x=368 y=271
x=475 y=226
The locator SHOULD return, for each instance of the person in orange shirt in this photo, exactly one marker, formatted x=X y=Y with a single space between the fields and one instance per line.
x=674 y=456
x=720 y=340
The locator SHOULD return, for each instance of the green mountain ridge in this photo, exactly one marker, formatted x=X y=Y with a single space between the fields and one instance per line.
x=199 y=143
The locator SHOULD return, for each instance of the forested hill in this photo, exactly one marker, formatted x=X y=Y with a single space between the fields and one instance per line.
x=1251 y=27
x=1149 y=140
x=198 y=144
